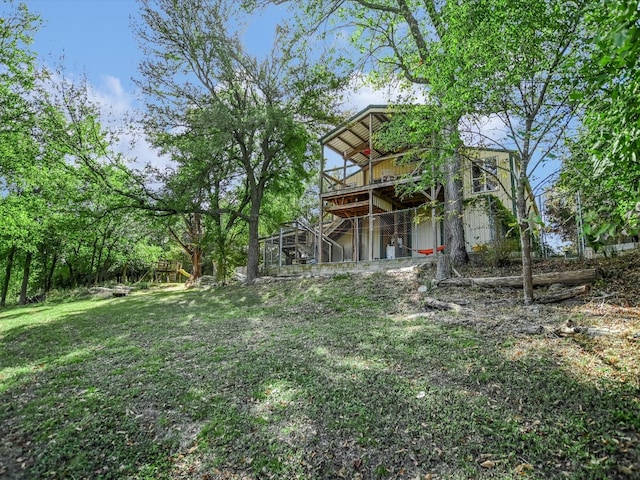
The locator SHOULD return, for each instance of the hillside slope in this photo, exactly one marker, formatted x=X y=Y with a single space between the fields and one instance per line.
x=344 y=377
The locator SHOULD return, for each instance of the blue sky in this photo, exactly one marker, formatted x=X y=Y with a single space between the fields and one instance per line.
x=95 y=38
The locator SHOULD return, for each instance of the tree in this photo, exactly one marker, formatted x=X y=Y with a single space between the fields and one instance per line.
x=17 y=62
x=561 y=212
x=604 y=166
x=402 y=38
x=54 y=214
x=247 y=114
x=204 y=186
x=88 y=189
x=17 y=150
x=519 y=61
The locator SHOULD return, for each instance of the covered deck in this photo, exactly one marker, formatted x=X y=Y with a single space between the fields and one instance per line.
x=361 y=181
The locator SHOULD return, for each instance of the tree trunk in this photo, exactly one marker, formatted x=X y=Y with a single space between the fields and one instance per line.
x=73 y=274
x=98 y=262
x=564 y=294
x=222 y=265
x=94 y=251
x=443 y=269
x=73 y=280
x=253 y=253
x=220 y=256
x=525 y=234
x=7 y=275
x=440 y=305
x=45 y=266
x=25 y=279
x=49 y=280
x=195 y=231
x=453 y=209
x=196 y=262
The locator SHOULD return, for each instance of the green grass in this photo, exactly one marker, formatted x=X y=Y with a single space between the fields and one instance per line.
x=299 y=379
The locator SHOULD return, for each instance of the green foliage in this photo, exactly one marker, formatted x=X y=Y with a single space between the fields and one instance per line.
x=500 y=251
x=561 y=211
x=506 y=236
x=604 y=166
x=17 y=68
x=244 y=122
x=421 y=131
x=55 y=204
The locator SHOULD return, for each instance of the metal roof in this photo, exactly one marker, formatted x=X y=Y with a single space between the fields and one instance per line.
x=351 y=140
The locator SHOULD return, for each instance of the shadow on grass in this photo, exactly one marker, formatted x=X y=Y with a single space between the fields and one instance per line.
x=224 y=383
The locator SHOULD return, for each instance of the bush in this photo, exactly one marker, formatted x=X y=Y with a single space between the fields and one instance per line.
x=499 y=253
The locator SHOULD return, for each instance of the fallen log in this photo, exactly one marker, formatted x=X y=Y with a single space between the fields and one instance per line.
x=590 y=331
x=564 y=294
x=440 y=305
x=568 y=278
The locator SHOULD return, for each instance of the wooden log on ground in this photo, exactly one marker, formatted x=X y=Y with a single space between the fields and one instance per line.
x=564 y=294
x=590 y=331
x=440 y=305
x=574 y=277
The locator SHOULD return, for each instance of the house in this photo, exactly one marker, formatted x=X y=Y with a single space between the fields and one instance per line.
x=368 y=213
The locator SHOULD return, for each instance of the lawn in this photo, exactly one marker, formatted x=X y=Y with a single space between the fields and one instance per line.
x=317 y=379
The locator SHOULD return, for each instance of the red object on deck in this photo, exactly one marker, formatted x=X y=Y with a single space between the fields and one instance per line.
x=366 y=151
x=429 y=251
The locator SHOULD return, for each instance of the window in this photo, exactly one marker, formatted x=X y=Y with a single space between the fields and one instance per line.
x=483 y=175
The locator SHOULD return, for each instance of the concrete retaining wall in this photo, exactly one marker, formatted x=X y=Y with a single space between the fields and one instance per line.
x=348 y=267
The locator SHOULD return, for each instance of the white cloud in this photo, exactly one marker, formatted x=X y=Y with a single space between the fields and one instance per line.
x=118 y=109
x=361 y=93
x=112 y=96
x=485 y=131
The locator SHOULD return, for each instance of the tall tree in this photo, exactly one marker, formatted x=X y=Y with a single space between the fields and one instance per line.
x=519 y=61
x=18 y=72
x=17 y=120
x=253 y=107
x=401 y=38
x=604 y=166
x=203 y=184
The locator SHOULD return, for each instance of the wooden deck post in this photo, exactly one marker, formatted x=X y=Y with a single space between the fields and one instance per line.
x=370 y=183
x=280 y=249
x=321 y=220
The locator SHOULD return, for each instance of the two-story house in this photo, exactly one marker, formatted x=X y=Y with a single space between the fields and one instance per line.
x=371 y=211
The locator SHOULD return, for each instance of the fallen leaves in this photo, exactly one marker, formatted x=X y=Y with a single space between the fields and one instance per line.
x=628 y=470
x=488 y=464
x=523 y=469
x=490 y=461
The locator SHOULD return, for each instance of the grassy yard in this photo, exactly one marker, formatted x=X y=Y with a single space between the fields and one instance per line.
x=315 y=379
